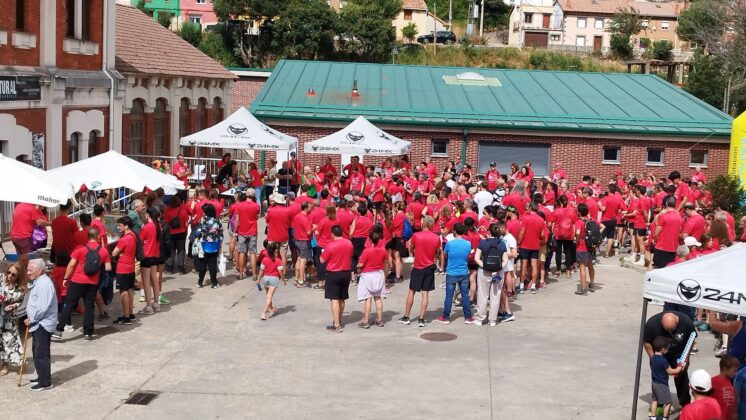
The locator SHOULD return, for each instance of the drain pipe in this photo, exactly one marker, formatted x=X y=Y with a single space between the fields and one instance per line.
x=463 y=147
x=105 y=65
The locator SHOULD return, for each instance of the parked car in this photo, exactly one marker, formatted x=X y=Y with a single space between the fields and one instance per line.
x=441 y=37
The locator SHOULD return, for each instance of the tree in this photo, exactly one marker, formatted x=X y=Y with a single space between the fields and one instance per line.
x=141 y=6
x=164 y=18
x=191 y=33
x=365 y=28
x=219 y=49
x=620 y=46
x=624 y=24
x=305 y=30
x=409 y=32
x=727 y=193
x=704 y=22
x=661 y=50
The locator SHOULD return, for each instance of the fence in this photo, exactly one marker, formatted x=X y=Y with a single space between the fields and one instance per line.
x=211 y=164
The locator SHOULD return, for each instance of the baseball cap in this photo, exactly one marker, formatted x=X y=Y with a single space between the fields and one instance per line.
x=292 y=153
x=250 y=192
x=290 y=195
x=510 y=209
x=279 y=199
x=700 y=381
x=691 y=241
x=493 y=164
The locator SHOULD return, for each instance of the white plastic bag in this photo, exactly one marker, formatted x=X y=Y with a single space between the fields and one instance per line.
x=222 y=263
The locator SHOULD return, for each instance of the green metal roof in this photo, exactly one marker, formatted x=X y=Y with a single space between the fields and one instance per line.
x=521 y=99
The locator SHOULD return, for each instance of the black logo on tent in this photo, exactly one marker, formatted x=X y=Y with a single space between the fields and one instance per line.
x=355 y=136
x=689 y=290
x=315 y=148
x=237 y=129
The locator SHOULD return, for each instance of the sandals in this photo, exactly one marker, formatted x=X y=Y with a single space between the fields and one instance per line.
x=263 y=317
x=363 y=325
x=379 y=324
x=317 y=287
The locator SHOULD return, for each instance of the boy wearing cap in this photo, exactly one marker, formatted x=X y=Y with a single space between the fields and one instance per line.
x=703 y=406
x=491 y=178
x=659 y=372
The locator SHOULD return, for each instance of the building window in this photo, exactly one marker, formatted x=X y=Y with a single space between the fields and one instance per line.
x=644 y=23
x=654 y=157
x=77 y=21
x=611 y=154
x=160 y=122
x=137 y=127
x=580 y=41
x=582 y=23
x=195 y=19
x=72 y=147
x=20 y=15
x=407 y=15
x=85 y=17
x=439 y=147
x=555 y=37
x=698 y=158
x=70 y=18
x=184 y=129
x=201 y=114
x=217 y=110
x=598 y=24
x=200 y=1
x=665 y=25
x=528 y=18
x=92 y=143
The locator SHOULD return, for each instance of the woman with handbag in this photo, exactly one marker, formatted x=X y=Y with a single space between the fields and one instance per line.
x=13 y=288
x=208 y=242
x=151 y=237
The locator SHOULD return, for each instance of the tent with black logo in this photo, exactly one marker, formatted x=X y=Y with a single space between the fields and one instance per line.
x=241 y=130
x=360 y=137
x=714 y=281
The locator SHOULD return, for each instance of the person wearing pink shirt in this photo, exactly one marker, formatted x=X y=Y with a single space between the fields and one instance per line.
x=558 y=173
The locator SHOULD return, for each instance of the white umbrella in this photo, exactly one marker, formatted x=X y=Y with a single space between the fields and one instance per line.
x=26 y=184
x=360 y=137
x=113 y=170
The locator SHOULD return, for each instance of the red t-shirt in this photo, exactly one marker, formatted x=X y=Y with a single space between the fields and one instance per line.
x=80 y=237
x=372 y=259
x=378 y=183
x=514 y=227
x=150 y=246
x=592 y=208
x=79 y=256
x=416 y=209
x=57 y=275
x=564 y=226
x=356 y=182
x=363 y=225
x=256 y=178
x=515 y=200
x=278 y=223
x=397 y=225
x=344 y=220
x=532 y=225
x=181 y=213
x=613 y=204
x=725 y=394
x=126 y=262
x=248 y=214
x=579 y=228
x=694 y=226
x=301 y=227
x=25 y=216
x=426 y=245
x=103 y=239
x=668 y=238
x=492 y=176
x=467 y=214
x=324 y=231
x=303 y=199
x=337 y=255
x=63 y=234
x=272 y=266
x=705 y=409
x=682 y=193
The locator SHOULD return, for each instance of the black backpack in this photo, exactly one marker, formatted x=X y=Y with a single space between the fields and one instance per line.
x=592 y=235
x=493 y=259
x=92 y=263
x=139 y=252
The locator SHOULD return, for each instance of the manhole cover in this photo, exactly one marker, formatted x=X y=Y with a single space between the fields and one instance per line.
x=438 y=336
x=141 y=397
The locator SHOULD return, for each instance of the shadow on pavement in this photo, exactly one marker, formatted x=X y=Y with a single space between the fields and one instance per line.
x=73 y=372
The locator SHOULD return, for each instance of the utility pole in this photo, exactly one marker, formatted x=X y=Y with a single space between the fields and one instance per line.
x=481 y=17
x=470 y=18
x=450 y=15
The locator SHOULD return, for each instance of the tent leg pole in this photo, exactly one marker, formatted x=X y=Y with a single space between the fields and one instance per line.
x=639 y=357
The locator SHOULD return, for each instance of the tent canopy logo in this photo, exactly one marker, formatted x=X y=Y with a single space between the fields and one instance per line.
x=689 y=290
x=355 y=136
x=237 y=129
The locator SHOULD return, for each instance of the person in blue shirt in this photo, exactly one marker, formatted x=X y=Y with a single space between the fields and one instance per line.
x=660 y=369
x=457 y=274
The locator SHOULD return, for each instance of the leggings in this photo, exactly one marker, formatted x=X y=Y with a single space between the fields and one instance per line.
x=177 y=250
x=567 y=247
x=209 y=262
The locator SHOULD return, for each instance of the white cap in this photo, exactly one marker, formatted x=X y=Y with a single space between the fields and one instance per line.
x=250 y=192
x=279 y=199
x=691 y=241
x=700 y=381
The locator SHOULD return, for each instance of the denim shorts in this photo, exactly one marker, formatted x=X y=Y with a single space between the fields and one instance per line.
x=270 y=281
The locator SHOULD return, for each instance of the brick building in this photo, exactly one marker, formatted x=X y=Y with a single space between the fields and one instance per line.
x=247 y=85
x=592 y=123
x=56 y=75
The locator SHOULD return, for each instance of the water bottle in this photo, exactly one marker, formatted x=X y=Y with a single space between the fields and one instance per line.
x=259 y=287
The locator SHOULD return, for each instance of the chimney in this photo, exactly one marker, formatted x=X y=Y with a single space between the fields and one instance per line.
x=355 y=93
x=310 y=92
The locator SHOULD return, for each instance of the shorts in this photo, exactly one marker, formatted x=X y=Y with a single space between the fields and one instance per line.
x=270 y=281
x=422 y=279
x=528 y=254
x=543 y=253
x=641 y=232
x=304 y=249
x=371 y=285
x=125 y=281
x=337 y=285
x=283 y=248
x=291 y=239
x=396 y=244
x=246 y=244
x=584 y=257
x=662 y=258
x=661 y=394
x=472 y=266
x=23 y=245
x=609 y=229
x=149 y=262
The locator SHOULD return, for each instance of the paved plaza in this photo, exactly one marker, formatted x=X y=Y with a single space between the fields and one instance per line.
x=209 y=356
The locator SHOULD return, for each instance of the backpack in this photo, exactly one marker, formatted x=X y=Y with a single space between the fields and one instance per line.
x=92 y=263
x=592 y=234
x=565 y=229
x=139 y=253
x=174 y=222
x=407 y=230
x=493 y=259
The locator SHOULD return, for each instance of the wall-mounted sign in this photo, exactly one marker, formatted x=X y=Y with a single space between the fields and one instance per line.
x=20 y=88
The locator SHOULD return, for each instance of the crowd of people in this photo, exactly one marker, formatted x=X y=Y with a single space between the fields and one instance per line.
x=494 y=236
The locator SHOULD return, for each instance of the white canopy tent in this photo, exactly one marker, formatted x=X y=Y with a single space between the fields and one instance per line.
x=241 y=130
x=113 y=170
x=714 y=282
x=360 y=137
x=26 y=184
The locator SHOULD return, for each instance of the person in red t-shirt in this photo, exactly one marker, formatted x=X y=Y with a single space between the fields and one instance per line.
x=247 y=215
x=694 y=225
x=278 y=224
x=63 y=232
x=639 y=214
x=583 y=254
x=25 y=217
x=611 y=206
x=529 y=242
x=722 y=386
x=426 y=248
x=271 y=271
x=328 y=169
x=337 y=256
x=151 y=237
x=125 y=268
x=302 y=231
x=80 y=284
x=491 y=176
x=564 y=233
x=176 y=217
x=362 y=224
x=372 y=284
x=702 y=407
x=666 y=236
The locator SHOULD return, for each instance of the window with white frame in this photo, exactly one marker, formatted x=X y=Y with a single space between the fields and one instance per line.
x=555 y=37
x=439 y=147
x=654 y=157
x=698 y=158
x=200 y=2
x=195 y=19
x=580 y=41
x=665 y=25
x=598 y=23
x=528 y=18
x=611 y=154
x=582 y=22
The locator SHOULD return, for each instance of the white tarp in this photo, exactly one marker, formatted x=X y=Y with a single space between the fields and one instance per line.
x=360 y=137
x=240 y=130
x=113 y=170
x=714 y=281
x=26 y=184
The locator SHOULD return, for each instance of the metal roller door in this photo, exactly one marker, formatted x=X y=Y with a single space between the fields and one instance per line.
x=503 y=154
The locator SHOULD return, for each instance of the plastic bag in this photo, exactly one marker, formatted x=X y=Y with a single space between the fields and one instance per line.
x=222 y=263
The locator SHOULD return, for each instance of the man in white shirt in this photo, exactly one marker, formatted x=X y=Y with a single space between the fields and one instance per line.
x=504 y=313
x=483 y=198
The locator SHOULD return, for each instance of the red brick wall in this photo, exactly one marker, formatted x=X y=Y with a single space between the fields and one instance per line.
x=245 y=90
x=95 y=35
x=101 y=141
x=9 y=55
x=579 y=156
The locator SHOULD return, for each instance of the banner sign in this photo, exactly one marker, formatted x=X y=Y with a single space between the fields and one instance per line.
x=20 y=88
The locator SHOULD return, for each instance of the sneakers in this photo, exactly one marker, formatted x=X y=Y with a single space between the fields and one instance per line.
x=591 y=287
x=478 y=322
x=533 y=290
x=421 y=323
x=493 y=324
x=88 y=337
x=443 y=320
x=157 y=307
x=148 y=310
x=69 y=328
x=103 y=316
x=123 y=320
x=132 y=317
x=163 y=300
x=507 y=317
x=57 y=335
x=37 y=387
x=403 y=320
x=470 y=320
